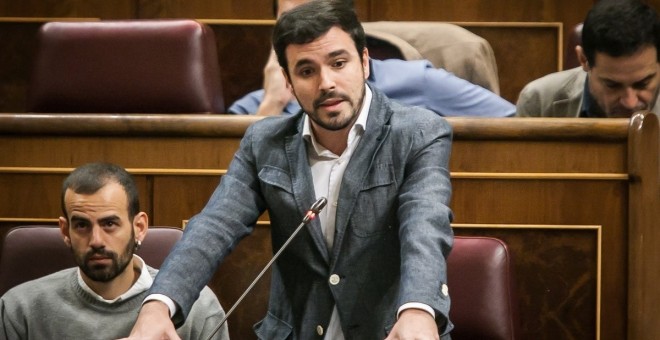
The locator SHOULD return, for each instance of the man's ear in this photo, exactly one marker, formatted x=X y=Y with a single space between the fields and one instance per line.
x=141 y=225
x=582 y=58
x=64 y=230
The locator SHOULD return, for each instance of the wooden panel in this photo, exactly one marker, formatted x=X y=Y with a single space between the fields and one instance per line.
x=567 y=12
x=19 y=44
x=236 y=273
x=523 y=51
x=116 y=9
x=243 y=49
x=225 y=9
x=37 y=195
x=190 y=193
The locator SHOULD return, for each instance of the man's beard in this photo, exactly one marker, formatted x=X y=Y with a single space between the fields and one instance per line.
x=103 y=273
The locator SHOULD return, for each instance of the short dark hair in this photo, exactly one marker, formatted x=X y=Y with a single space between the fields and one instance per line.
x=311 y=20
x=619 y=28
x=90 y=178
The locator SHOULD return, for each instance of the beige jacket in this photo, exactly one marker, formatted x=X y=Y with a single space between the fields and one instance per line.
x=445 y=45
x=557 y=94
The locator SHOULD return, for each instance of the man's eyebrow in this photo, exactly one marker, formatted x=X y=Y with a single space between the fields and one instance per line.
x=641 y=81
x=337 y=53
x=333 y=54
x=646 y=79
x=111 y=218
x=79 y=219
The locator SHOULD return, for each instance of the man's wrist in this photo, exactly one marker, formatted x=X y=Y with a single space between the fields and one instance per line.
x=169 y=303
x=415 y=305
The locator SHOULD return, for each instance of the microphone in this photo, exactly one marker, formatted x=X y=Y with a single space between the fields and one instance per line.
x=310 y=215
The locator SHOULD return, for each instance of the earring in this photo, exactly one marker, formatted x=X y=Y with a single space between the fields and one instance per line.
x=138 y=243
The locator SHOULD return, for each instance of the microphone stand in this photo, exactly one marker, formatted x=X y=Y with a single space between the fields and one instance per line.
x=311 y=214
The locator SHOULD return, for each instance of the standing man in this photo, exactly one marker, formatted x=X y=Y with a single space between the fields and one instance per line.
x=619 y=74
x=103 y=226
x=373 y=265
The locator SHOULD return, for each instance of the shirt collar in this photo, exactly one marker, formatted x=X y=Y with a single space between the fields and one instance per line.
x=143 y=282
x=358 y=127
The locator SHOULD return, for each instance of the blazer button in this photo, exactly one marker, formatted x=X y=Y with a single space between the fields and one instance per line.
x=319 y=330
x=334 y=279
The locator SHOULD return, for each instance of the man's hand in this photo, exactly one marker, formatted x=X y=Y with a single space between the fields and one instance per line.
x=277 y=93
x=153 y=323
x=414 y=324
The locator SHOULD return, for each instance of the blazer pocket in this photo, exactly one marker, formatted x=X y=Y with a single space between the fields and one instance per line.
x=272 y=328
x=276 y=177
x=373 y=210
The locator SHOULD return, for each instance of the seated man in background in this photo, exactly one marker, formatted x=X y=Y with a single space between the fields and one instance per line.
x=619 y=73
x=414 y=82
x=102 y=225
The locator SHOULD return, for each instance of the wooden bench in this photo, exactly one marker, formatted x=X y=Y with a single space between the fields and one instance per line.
x=576 y=200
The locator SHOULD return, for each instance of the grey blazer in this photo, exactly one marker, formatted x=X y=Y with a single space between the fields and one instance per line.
x=392 y=226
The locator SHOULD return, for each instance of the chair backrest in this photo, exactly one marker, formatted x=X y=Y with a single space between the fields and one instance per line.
x=574 y=39
x=445 y=45
x=484 y=302
x=30 y=252
x=128 y=66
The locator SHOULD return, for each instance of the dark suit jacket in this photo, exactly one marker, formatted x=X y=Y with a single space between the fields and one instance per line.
x=392 y=226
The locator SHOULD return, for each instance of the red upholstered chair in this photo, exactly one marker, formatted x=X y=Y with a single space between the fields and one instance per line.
x=131 y=66
x=574 y=39
x=482 y=288
x=30 y=252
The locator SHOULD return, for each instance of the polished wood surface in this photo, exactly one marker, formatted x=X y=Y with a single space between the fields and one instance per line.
x=576 y=200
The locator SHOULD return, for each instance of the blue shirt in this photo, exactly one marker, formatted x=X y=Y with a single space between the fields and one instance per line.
x=415 y=83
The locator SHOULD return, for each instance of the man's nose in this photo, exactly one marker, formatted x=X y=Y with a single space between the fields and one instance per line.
x=630 y=99
x=96 y=237
x=326 y=81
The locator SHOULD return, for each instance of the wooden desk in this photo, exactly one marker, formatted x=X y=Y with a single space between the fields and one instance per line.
x=577 y=200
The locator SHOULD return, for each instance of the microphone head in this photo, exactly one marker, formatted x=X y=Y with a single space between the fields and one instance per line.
x=318 y=205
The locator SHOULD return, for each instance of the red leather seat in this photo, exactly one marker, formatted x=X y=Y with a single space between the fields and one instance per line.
x=131 y=66
x=482 y=288
x=30 y=252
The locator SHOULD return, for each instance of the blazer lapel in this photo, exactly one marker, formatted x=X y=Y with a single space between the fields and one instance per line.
x=303 y=185
x=358 y=167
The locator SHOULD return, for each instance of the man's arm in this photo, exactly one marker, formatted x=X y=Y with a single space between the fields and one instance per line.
x=425 y=233
x=274 y=99
x=229 y=215
x=418 y=83
x=277 y=93
x=528 y=104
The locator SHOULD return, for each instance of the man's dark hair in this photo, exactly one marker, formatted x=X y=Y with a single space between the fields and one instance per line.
x=90 y=178
x=311 y=20
x=619 y=28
